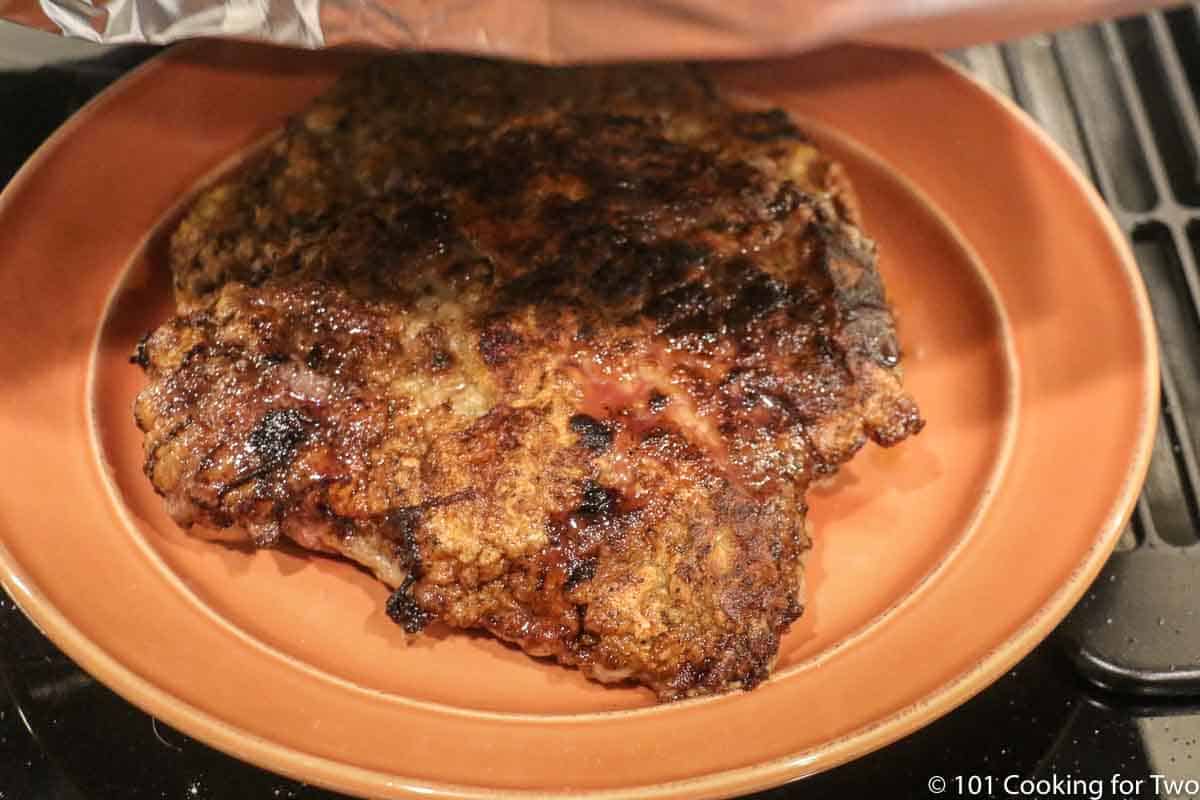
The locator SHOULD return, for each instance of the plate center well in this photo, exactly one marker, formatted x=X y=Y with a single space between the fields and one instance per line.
x=881 y=526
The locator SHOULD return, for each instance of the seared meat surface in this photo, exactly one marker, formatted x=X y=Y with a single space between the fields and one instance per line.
x=555 y=353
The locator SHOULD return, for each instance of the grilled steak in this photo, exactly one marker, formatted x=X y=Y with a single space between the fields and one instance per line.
x=555 y=353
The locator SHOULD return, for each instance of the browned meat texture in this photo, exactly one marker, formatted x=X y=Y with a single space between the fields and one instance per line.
x=555 y=353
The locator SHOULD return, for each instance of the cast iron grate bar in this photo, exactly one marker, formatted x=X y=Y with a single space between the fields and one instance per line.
x=1181 y=98
x=1160 y=105
x=1184 y=26
x=1132 y=100
x=1103 y=118
x=1123 y=100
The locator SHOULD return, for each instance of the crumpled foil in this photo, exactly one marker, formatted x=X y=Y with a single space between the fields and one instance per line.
x=558 y=31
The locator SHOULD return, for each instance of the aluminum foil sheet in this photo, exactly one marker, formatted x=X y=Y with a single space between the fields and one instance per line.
x=557 y=31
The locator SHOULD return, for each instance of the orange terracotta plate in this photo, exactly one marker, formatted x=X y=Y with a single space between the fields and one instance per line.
x=937 y=565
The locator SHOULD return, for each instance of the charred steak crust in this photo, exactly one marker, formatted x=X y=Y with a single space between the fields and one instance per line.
x=555 y=353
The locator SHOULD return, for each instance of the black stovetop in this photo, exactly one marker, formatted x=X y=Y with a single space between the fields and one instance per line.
x=1121 y=99
x=63 y=736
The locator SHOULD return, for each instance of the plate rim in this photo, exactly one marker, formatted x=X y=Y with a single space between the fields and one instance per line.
x=333 y=774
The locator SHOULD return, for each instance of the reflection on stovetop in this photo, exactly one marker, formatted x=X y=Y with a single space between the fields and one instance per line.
x=63 y=736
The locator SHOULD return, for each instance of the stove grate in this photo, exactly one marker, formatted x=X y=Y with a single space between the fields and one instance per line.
x=1122 y=99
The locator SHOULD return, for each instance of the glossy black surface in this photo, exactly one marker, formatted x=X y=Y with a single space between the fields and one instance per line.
x=63 y=736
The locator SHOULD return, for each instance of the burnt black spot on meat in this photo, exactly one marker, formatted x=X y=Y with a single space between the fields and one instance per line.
x=278 y=435
x=424 y=222
x=579 y=571
x=765 y=126
x=543 y=285
x=422 y=229
x=403 y=525
x=639 y=269
x=275 y=439
x=583 y=639
x=593 y=434
x=598 y=500
x=503 y=169
x=404 y=522
x=140 y=356
x=760 y=295
x=274 y=358
x=315 y=357
x=658 y=402
x=575 y=534
x=682 y=309
x=405 y=611
x=588 y=241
